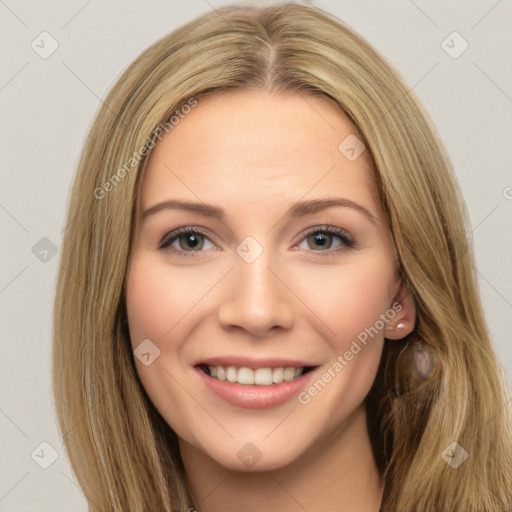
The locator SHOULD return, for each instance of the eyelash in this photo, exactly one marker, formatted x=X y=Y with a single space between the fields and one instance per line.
x=346 y=241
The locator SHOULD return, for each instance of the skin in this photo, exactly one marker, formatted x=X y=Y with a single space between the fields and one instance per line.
x=254 y=155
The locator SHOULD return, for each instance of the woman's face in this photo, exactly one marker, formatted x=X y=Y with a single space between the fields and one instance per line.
x=256 y=337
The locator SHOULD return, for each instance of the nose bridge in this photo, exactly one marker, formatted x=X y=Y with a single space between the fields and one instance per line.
x=252 y=267
x=256 y=280
x=258 y=301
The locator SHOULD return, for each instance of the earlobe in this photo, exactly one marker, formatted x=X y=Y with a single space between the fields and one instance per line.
x=404 y=321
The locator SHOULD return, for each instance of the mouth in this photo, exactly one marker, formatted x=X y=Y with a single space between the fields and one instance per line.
x=264 y=376
x=249 y=384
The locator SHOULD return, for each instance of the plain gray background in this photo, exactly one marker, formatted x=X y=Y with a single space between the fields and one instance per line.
x=47 y=105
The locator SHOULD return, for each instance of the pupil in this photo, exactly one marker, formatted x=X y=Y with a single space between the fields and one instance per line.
x=321 y=239
x=192 y=241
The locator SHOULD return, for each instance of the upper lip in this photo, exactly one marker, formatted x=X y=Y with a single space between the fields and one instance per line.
x=252 y=362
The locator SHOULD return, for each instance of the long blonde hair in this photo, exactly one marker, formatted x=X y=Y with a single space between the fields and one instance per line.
x=123 y=453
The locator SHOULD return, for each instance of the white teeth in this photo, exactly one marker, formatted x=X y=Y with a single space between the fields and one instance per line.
x=289 y=374
x=245 y=376
x=277 y=375
x=258 y=377
x=263 y=376
x=231 y=374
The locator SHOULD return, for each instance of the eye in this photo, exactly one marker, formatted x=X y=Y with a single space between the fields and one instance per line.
x=189 y=240
x=321 y=239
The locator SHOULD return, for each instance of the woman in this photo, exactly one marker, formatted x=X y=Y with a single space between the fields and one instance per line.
x=266 y=296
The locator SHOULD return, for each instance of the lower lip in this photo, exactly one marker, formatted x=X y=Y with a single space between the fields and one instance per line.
x=255 y=397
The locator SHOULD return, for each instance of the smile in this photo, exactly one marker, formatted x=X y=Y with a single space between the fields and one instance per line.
x=259 y=387
x=254 y=377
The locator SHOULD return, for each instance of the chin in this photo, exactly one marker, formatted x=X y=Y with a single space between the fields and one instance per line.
x=259 y=454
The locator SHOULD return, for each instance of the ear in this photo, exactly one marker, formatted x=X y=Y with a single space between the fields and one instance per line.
x=404 y=320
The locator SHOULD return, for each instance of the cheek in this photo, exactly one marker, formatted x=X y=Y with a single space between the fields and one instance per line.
x=144 y=306
x=154 y=315
x=350 y=305
x=352 y=299
x=157 y=299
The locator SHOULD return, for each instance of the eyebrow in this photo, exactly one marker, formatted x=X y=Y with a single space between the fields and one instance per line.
x=299 y=209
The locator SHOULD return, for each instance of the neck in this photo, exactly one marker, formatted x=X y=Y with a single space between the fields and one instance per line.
x=336 y=473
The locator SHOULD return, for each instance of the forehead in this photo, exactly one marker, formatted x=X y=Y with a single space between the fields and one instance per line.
x=264 y=147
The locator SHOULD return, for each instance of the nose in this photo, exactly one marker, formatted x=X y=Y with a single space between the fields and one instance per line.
x=257 y=299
